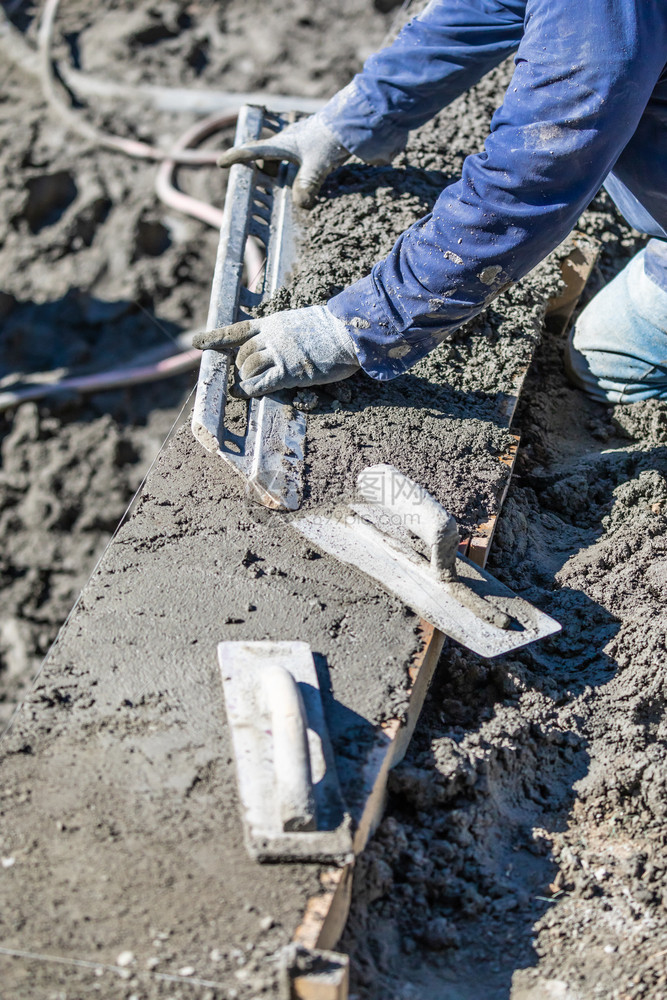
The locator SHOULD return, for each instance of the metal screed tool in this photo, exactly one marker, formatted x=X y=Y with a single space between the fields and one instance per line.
x=269 y=454
x=446 y=589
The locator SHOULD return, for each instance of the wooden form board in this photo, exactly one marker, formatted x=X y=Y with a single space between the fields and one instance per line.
x=576 y=269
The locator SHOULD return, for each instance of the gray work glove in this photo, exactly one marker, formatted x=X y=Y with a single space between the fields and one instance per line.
x=310 y=144
x=299 y=347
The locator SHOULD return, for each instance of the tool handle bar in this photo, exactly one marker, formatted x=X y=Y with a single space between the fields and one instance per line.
x=291 y=755
x=420 y=512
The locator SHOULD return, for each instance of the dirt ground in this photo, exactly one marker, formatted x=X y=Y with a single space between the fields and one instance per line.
x=524 y=851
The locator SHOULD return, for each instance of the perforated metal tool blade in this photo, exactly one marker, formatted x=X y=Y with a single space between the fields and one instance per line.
x=269 y=453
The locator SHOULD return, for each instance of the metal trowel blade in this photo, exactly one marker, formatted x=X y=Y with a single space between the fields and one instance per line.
x=394 y=564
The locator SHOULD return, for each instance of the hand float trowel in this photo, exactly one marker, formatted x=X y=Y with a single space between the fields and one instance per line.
x=379 y=537
x=291 y=803
x=267 y=447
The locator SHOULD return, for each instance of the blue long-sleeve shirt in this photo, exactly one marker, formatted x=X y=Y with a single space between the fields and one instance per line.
x=587 y=104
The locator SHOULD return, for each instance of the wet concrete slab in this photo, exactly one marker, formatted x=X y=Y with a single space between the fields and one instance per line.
x=120 y=807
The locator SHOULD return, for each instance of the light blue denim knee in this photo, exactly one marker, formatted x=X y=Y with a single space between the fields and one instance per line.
x=617 y=351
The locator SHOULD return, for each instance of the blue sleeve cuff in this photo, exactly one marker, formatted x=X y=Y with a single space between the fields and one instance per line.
x=360 y=128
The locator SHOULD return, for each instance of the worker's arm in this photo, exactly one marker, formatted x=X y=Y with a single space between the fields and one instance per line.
x=584 y=74
x=437 y=56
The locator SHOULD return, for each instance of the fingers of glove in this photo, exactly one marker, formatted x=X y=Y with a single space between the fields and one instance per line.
x=308 y=182
x=254 y=364
x=235 y=388
x=337 y=374
x=251 y=346
x=271 y=380
x=225 y=338
x=270 y=149
x=275 y=378
x=317 y=163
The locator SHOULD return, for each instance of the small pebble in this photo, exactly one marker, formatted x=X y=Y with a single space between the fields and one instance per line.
x=266 y=923
x=215 y=955
x=125 y=958
x=439 y=934
x=306 y=401
x=187 y=970
x=8 y=862
x=409 y=945
x=152 y=963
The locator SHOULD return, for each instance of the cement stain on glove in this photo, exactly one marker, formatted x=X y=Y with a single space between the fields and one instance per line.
x=309 y=144
x=296 y=348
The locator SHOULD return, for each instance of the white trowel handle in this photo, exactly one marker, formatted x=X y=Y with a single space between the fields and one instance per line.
x=291 y=756
x=419 y=511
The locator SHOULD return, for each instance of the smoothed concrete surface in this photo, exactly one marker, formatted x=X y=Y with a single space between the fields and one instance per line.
x=120 y=806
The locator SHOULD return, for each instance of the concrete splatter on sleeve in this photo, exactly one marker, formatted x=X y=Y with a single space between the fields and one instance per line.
x=586 y=76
